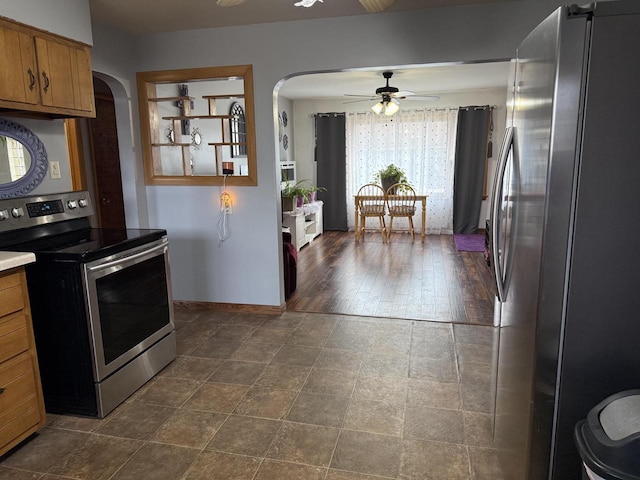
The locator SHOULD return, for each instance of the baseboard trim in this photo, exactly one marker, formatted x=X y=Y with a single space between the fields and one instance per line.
x=232 y=307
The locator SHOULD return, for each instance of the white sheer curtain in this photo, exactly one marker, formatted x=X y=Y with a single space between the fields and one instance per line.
x=421 y=142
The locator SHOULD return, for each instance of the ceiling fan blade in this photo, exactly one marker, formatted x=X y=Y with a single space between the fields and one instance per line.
x=376 y=6
x=422 y=97
x=402 y=94
x=368 y=97
x=361 y=100
x=229 y=3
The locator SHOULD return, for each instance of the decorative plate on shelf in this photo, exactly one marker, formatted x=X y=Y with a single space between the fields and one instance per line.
x=285 y=141
x=285 y=120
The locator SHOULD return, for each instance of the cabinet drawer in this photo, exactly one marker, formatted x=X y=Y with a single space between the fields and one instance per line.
x=11 y=299
x=17 y=379
x=14 y=336
x=20 y=419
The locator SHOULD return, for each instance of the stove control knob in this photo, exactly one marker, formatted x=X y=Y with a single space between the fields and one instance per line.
x=72 y=204
x=4 y=214
x=17 y=212
x=82 y=203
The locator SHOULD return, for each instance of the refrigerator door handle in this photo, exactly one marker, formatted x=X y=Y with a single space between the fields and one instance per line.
x=507 y=146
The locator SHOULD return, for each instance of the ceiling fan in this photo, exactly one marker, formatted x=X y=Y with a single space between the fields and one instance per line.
x=371 y=6
x=388 y=97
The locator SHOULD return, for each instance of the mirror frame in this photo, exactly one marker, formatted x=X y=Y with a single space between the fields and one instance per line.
x=146 y=89
x=39 y=162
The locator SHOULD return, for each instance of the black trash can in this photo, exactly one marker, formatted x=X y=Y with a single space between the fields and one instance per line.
x=609 y=439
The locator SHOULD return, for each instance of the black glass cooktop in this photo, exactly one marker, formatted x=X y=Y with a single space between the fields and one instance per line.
x=82 y=245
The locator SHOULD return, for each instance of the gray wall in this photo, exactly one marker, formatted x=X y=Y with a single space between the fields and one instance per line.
x=69 y=18
x=246 y=268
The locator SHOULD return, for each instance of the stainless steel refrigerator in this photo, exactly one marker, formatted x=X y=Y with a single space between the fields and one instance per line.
x=565 y=232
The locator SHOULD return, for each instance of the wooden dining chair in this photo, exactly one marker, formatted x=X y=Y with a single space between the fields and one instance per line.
x=373 y=207
x=401 y=202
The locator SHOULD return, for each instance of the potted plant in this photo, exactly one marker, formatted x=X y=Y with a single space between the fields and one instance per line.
x=390 y=175
x=313 y=190
x=294 y=195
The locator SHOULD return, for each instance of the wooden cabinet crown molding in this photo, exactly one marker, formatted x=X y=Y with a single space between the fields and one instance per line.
x=44 y=73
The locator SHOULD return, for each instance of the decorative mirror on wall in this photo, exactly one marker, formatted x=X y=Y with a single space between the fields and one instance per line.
x=23 y=160
x=216 y=106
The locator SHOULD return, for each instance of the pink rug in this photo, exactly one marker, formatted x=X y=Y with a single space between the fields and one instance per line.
x=469 y=242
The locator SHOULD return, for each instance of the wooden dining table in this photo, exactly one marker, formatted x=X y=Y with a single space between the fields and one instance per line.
x=382 y=198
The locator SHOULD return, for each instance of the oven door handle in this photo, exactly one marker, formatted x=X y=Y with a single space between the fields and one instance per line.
x=121 y=260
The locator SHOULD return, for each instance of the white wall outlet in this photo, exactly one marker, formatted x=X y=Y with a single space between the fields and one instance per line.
x=54 y=169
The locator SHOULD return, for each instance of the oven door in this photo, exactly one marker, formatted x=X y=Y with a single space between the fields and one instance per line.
x=129 y=304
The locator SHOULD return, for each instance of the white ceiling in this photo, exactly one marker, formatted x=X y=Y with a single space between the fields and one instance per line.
x=153 y=16
x=430 y=79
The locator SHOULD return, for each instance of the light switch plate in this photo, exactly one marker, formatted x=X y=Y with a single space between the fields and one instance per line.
x=54 y=169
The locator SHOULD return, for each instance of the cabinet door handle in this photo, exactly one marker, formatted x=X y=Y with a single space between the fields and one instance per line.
x=1 y=390
x=32 y=79
x=46 y=81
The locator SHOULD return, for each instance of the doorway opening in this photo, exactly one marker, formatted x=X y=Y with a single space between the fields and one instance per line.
x=430 y=281
x=105 y=159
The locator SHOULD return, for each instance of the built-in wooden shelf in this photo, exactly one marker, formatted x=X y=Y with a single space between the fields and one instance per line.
x=170 y=99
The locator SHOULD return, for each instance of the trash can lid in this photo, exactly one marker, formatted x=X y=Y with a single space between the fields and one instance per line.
x=609 y=440
x=621 y=418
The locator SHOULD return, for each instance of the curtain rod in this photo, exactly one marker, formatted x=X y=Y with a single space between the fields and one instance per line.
x=329 y=114
x=479 y=107
x=428 y=109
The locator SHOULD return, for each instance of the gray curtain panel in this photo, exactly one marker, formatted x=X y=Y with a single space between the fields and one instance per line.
x=330 y=156
x=471 y=156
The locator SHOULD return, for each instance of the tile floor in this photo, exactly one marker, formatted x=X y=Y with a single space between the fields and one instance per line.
x=300 y=396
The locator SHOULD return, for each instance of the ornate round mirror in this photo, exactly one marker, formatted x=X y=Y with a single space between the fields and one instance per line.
x=23 y=160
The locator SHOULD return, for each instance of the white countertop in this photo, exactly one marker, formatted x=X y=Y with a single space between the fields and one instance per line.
x=15 y=259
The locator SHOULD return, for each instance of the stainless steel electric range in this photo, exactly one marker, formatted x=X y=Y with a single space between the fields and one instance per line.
x=100 y=301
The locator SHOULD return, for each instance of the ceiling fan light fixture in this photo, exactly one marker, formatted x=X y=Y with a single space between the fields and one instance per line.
x=306 y=3
x=230 y=3
x=387 y=106
x=391 y=108
x=377 y=108
x=376 y=6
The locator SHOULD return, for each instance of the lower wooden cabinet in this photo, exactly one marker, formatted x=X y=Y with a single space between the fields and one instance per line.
x=21 y=404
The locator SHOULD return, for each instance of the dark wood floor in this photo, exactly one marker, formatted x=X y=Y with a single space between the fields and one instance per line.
x=423 y=281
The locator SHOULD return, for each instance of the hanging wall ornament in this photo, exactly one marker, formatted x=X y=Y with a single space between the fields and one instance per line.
x=196 y=138
x=169 y=134
x=490 y=144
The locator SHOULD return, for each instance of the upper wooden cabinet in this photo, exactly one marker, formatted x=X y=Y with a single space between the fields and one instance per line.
x=44 y=73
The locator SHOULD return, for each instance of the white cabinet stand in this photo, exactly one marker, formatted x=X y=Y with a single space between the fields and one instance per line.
x=304 y=223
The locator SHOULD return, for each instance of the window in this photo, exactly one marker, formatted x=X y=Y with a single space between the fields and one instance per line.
x=420 y=142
